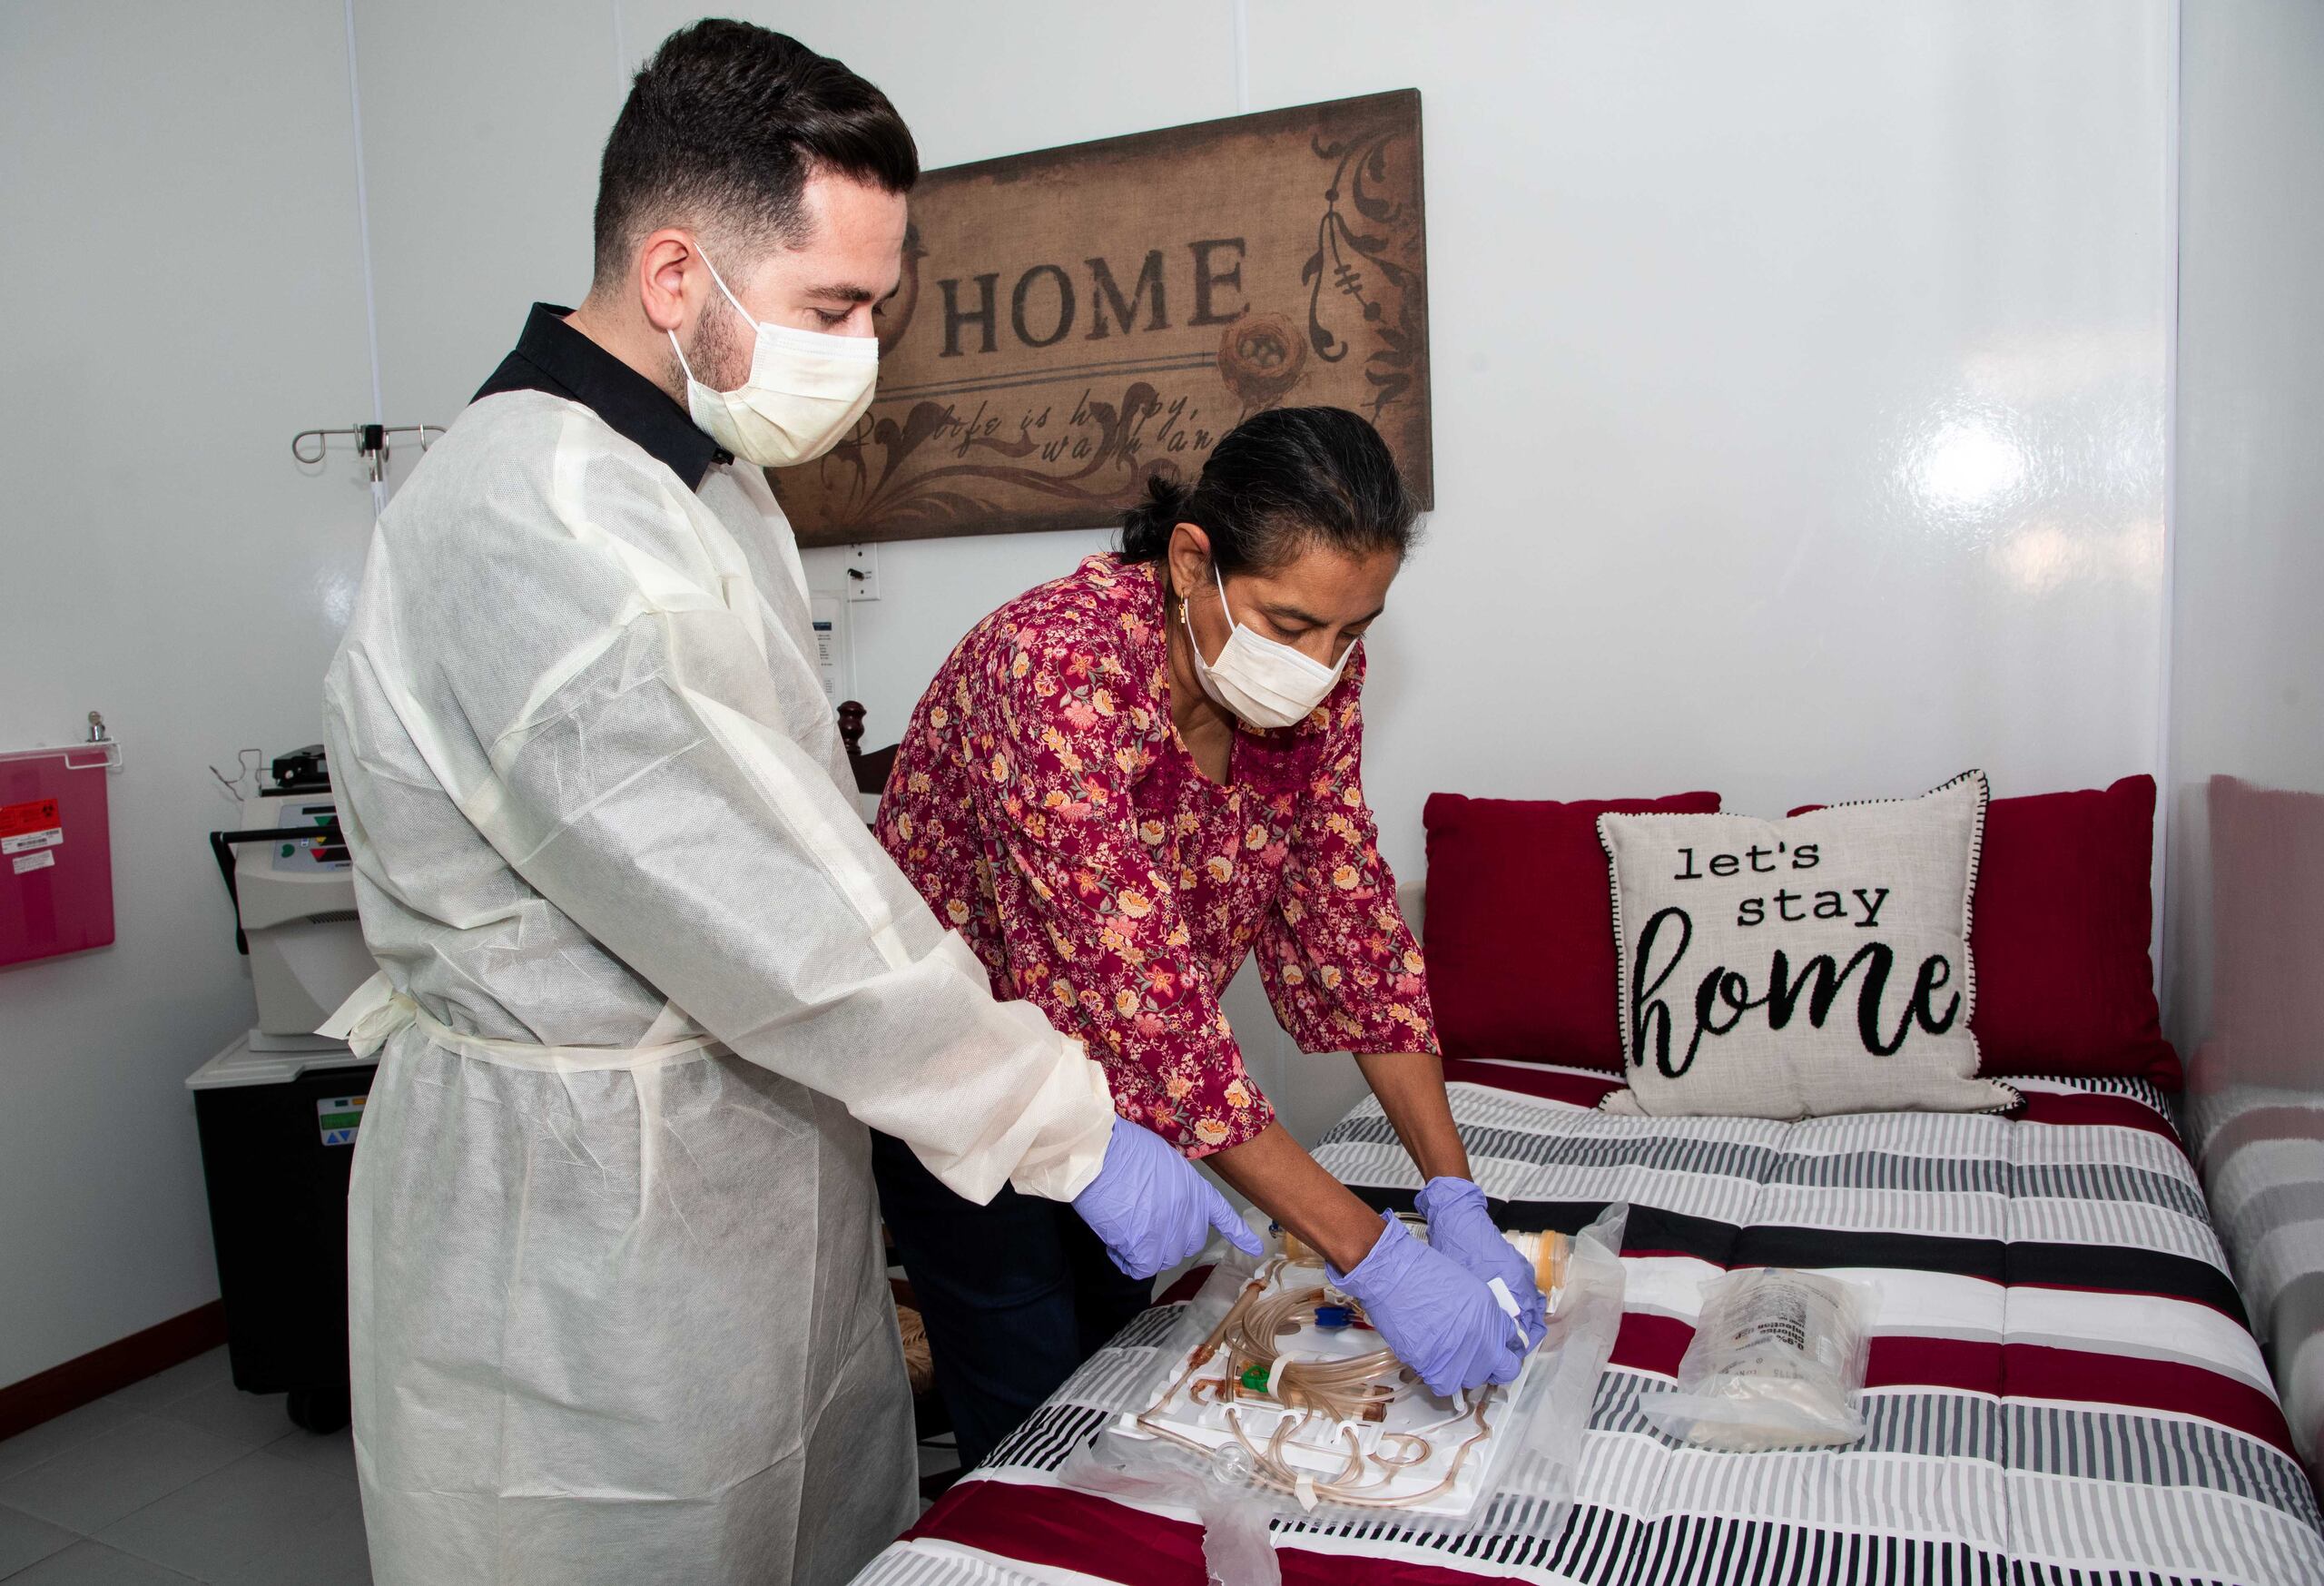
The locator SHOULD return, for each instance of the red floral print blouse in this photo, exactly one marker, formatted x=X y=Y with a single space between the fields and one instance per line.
x=1046 y=807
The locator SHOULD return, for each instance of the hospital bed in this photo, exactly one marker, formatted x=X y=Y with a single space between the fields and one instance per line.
x=2062 y=1387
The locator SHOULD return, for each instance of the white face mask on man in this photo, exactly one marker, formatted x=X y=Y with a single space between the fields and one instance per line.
x=804 y=389
x=1267 y=683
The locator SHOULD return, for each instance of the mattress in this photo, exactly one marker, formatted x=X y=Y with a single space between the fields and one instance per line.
x=2062 y=1384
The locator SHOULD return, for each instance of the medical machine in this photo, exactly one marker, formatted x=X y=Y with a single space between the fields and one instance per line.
x=288 y=874
x=278 y=1134
x=279 y=1110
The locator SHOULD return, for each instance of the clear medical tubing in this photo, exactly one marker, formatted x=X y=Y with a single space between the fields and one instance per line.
x=1513 y=1449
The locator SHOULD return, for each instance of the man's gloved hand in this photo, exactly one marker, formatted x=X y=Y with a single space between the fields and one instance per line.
x=1151 y=1208
x=1459 y=1226
x=1438 y=1316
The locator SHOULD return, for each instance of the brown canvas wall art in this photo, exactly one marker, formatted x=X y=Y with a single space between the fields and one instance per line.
x=1072 y=320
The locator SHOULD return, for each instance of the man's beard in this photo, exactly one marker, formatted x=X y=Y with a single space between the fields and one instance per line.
x=720 y=355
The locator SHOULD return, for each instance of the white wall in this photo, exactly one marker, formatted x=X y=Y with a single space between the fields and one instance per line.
x=1799 y=373
x=2246 y=899
x=2247 y=649
x=184 y=284
x=1799 y=368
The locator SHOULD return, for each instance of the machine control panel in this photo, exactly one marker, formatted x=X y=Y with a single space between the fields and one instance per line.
x=310 y=837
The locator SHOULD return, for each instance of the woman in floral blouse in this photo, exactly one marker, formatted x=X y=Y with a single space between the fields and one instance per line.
x=1116 y=791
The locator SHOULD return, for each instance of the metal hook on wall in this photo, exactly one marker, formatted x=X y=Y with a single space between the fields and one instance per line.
x=371 y=440
x=103 y=743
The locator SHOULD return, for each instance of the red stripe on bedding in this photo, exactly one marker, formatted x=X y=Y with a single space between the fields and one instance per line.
x=1067 y=1530
x=2037 y=1370
x=2082 y=1109
x=1648 y=1341
x=2017 y=1371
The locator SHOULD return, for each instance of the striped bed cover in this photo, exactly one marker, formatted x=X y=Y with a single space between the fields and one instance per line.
x=2062 y=1388
x=2262 y=1151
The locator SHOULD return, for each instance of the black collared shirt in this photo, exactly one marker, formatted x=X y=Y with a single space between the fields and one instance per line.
x=551 y=356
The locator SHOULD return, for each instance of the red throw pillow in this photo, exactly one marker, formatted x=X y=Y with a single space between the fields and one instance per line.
x=2058 y=931
x=1519 y=928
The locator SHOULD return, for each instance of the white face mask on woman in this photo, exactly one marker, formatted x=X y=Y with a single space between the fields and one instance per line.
x=1264 y=681
x=805 y=389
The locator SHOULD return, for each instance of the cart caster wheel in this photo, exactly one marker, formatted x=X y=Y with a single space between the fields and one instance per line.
x=318 y=1409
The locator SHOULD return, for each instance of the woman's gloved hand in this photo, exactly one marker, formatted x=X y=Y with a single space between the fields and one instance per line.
x=1459 y=1226
x=1437 y=1316
x=1151 y=1208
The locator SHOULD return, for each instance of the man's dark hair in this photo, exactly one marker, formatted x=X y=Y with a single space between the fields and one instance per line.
x=725 y=126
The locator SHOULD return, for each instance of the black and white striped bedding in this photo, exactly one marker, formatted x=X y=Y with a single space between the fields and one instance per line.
x=2063 y=1386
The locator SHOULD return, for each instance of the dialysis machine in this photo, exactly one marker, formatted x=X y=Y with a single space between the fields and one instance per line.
x=279 y=1110
x=290 y=879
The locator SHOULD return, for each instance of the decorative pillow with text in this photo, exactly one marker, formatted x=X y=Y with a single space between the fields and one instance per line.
x=1791 y=969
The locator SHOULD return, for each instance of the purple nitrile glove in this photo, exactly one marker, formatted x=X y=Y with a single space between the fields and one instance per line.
x=1151 y=1206
x=1459 y=1226
x=1437 y=1316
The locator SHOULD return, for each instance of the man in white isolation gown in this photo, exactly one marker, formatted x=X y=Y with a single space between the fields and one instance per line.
x=617 y=1311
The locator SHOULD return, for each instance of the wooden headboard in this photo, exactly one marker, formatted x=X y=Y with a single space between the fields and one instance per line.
x=871 y=770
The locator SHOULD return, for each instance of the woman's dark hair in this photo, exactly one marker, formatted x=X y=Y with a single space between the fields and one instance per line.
x=1278 y=484
x=725 y=126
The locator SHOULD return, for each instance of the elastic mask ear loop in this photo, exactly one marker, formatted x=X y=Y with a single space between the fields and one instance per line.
x=1186 y=619
x=721 y=283
x=722 y=287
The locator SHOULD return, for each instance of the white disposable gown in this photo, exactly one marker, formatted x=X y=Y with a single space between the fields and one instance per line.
x=616 y=1306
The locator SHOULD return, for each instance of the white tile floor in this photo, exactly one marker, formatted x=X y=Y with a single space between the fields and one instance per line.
x=181 y=1477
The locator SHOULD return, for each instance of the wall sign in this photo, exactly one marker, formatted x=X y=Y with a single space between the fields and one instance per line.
x=1072 y=320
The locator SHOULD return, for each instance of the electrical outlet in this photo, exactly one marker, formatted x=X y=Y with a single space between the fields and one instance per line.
x=863 y=572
